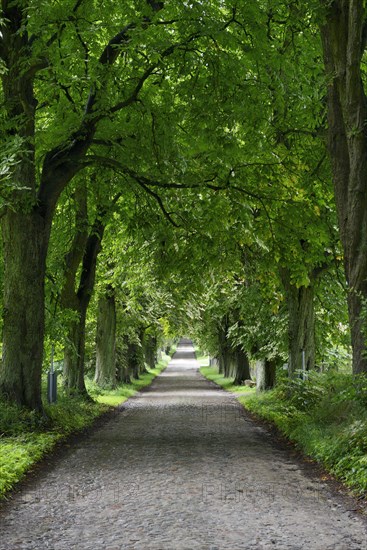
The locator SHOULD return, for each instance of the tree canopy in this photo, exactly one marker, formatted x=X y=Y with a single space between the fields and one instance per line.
x=173 y=158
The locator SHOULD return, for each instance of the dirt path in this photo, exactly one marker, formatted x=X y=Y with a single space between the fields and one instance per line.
x=179 y=468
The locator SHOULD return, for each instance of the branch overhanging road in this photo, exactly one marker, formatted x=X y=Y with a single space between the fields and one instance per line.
x=180 y=467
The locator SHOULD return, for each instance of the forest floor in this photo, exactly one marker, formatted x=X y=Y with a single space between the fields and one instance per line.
x=180 y=466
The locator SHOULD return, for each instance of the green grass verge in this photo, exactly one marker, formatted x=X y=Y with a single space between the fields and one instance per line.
x=325 y=416
x=25 y=438
x=212 y=374
x=122 y=393
x=202 y=359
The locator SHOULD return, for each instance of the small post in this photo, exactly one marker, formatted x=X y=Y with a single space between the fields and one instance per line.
x=303 y=364
x=52 y=380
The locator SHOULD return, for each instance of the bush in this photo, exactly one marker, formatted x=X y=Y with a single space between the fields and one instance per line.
x=26 y=436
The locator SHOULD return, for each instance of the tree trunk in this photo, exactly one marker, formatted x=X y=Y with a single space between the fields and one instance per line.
x=223 y=355
x=301 y=326
x=224 y=361
x=357 y=308
x=344 y=40
x=220 y=364
x=133 y=360
x=70 y=368
x=150 y=350
x=74 y=356
x=241 y=365
x=122 y=366
x=141 y=352
x=78 y=302
x=265 y=374
x=25 y=239
x=106 y=341
x=24 y=227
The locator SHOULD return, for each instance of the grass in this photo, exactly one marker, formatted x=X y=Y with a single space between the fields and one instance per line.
x=211 y=373
x=117 y=396
x=25 y=438
x=325 y=416
x=227 y=383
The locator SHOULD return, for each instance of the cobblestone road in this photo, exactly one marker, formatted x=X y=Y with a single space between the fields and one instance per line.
x=180 y=467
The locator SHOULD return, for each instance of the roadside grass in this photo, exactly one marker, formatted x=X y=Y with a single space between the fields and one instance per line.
x=211 y=373
x=324 y=415
x=202 y=359
x=117 y=396
x=25 y=438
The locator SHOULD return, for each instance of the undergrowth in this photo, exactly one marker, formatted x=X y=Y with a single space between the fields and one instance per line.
x=325 y=415
x=25 y=437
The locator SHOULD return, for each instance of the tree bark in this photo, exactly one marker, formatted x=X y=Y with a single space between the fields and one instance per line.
x=241 y=366
x=344 y=39
x=150 y=350
x=122 y=366
x=106 y=341
x=223 y=348
x=25 y=239
x=265 y=374
x=74 y=355
x=133 y=358
x=141 y=351
x=301 y=325
x=78 y=302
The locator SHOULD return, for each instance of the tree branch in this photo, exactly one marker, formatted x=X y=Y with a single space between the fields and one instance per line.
x=63 y=162
x=77 y=5
x=56 y=35
x=166 y=214
x=118 y=166
x=75 y=254
x=134 y=95
x=92 y=248
x=107 y=58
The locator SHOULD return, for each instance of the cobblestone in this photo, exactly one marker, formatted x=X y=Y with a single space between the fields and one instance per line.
x=179 y=468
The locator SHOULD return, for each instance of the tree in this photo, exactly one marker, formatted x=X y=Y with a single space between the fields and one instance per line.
x=265 y=374
x=62 y=84
x=157 y=95
x=301 y=324
x=27 y=219
x=105 y=375
x=84 y=250
x=343 y=32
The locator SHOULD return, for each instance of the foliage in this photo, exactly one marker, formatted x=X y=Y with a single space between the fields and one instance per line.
x=18 y=454
x=26 y=438
x=204 y=154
